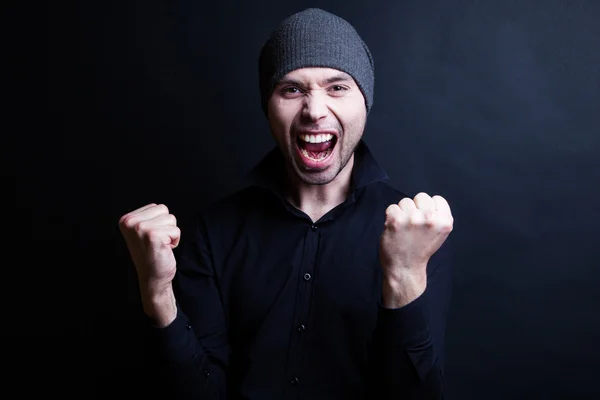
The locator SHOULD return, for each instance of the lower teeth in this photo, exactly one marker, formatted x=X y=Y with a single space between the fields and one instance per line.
x=321 y=155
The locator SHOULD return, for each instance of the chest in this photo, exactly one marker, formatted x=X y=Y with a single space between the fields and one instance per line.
x=282 y=274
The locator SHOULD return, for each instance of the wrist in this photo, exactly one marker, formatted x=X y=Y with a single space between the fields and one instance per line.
x=405 y=276
x=401 y=288
x=159 y=303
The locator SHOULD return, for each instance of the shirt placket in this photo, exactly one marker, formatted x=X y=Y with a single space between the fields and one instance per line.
x=302 y=308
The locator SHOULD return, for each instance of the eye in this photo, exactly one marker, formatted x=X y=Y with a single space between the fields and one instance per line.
x=291 y=90
x=337 y=90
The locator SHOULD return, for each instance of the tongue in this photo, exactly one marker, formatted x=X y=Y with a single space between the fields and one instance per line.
x=317 y=147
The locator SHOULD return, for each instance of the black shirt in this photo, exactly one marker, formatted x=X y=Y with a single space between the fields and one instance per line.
x=274 y=306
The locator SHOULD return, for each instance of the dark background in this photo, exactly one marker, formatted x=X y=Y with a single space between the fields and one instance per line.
x=493 y=104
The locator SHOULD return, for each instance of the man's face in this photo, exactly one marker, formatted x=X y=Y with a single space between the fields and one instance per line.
x=317 y=116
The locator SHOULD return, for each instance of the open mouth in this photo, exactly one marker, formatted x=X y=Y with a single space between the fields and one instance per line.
x=316 y=147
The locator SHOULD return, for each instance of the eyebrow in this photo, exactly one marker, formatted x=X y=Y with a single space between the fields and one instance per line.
x=342 y=77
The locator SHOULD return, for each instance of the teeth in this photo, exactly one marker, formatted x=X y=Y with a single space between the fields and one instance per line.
x=316 y=138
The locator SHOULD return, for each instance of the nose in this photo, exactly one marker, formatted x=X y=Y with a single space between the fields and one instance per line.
x=315 y=107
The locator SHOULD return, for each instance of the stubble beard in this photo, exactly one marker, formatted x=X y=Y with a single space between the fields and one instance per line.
x=311 y=177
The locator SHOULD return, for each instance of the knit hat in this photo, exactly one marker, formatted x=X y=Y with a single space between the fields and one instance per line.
x=315 y=38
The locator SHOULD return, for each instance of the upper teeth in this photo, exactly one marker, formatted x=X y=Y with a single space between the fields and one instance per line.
x=316 y=138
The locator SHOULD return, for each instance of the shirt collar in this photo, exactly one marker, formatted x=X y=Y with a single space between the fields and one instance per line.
x=269 y=173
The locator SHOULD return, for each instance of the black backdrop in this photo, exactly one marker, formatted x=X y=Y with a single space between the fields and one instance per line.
x=493 y=104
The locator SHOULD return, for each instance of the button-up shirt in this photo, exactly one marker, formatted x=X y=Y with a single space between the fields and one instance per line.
x=272 y=305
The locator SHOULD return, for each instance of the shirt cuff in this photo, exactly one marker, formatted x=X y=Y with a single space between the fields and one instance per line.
x=407 y=329
x=176 y=343
x=410 y=323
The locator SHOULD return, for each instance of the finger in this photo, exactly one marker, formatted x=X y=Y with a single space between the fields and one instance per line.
x=151 y=226
x=161 y=220
x=145 y=215
x=174 y=234
x=392 y=211
x=137 y=211
x=167 y=235
x=155 y=211
x=394 y=215
x=441 y=205
x=424 y=202
x=407 y=205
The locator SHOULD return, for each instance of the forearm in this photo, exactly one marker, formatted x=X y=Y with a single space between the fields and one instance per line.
x=180 y=363
x=189 y=359
x=408 y=342
x=186 y=329
x=158 y=302
x=403 y=288
x=406 y=357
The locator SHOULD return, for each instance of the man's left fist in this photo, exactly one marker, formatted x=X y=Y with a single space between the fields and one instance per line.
x=414 y=230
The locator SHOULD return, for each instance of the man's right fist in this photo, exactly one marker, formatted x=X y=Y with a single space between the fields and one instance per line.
x=151 y=234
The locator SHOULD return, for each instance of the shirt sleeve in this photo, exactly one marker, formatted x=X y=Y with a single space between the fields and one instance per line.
x=191 y=353
x=408 y=344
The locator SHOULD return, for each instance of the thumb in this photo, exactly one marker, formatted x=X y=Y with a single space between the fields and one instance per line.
x=393 y=214
x=171 y=236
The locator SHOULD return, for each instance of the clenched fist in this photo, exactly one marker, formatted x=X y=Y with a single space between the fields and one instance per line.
x=414 y=230
x=151 y=234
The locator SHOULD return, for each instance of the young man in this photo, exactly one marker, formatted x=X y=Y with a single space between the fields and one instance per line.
x=319 y=281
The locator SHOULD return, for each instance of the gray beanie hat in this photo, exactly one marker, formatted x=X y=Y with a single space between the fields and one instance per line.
x=315 y=38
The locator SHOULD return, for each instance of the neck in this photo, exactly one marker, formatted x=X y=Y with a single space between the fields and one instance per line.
x=318 y=200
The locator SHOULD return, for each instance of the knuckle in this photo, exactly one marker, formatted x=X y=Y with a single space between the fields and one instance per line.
x=141 y=227
x=127 y=222
x=416 y=219
x=389 y=222
x=152 y=236
x=391 y=213
x=450 y=226
x=392 y=223
x=163 y=208
x=446 y=226
x=430 y=222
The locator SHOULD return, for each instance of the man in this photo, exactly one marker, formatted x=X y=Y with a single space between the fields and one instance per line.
x=318 y=281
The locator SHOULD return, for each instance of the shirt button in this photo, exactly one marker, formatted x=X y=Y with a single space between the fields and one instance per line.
x=206 y=372
x=307 y=276
x=301 y=328
x=294 y=381
x=188 y=326
x=314 y=227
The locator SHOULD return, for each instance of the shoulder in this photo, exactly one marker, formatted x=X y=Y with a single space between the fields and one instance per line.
x=381 y=193
x=239 y=201
x=231 y=209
